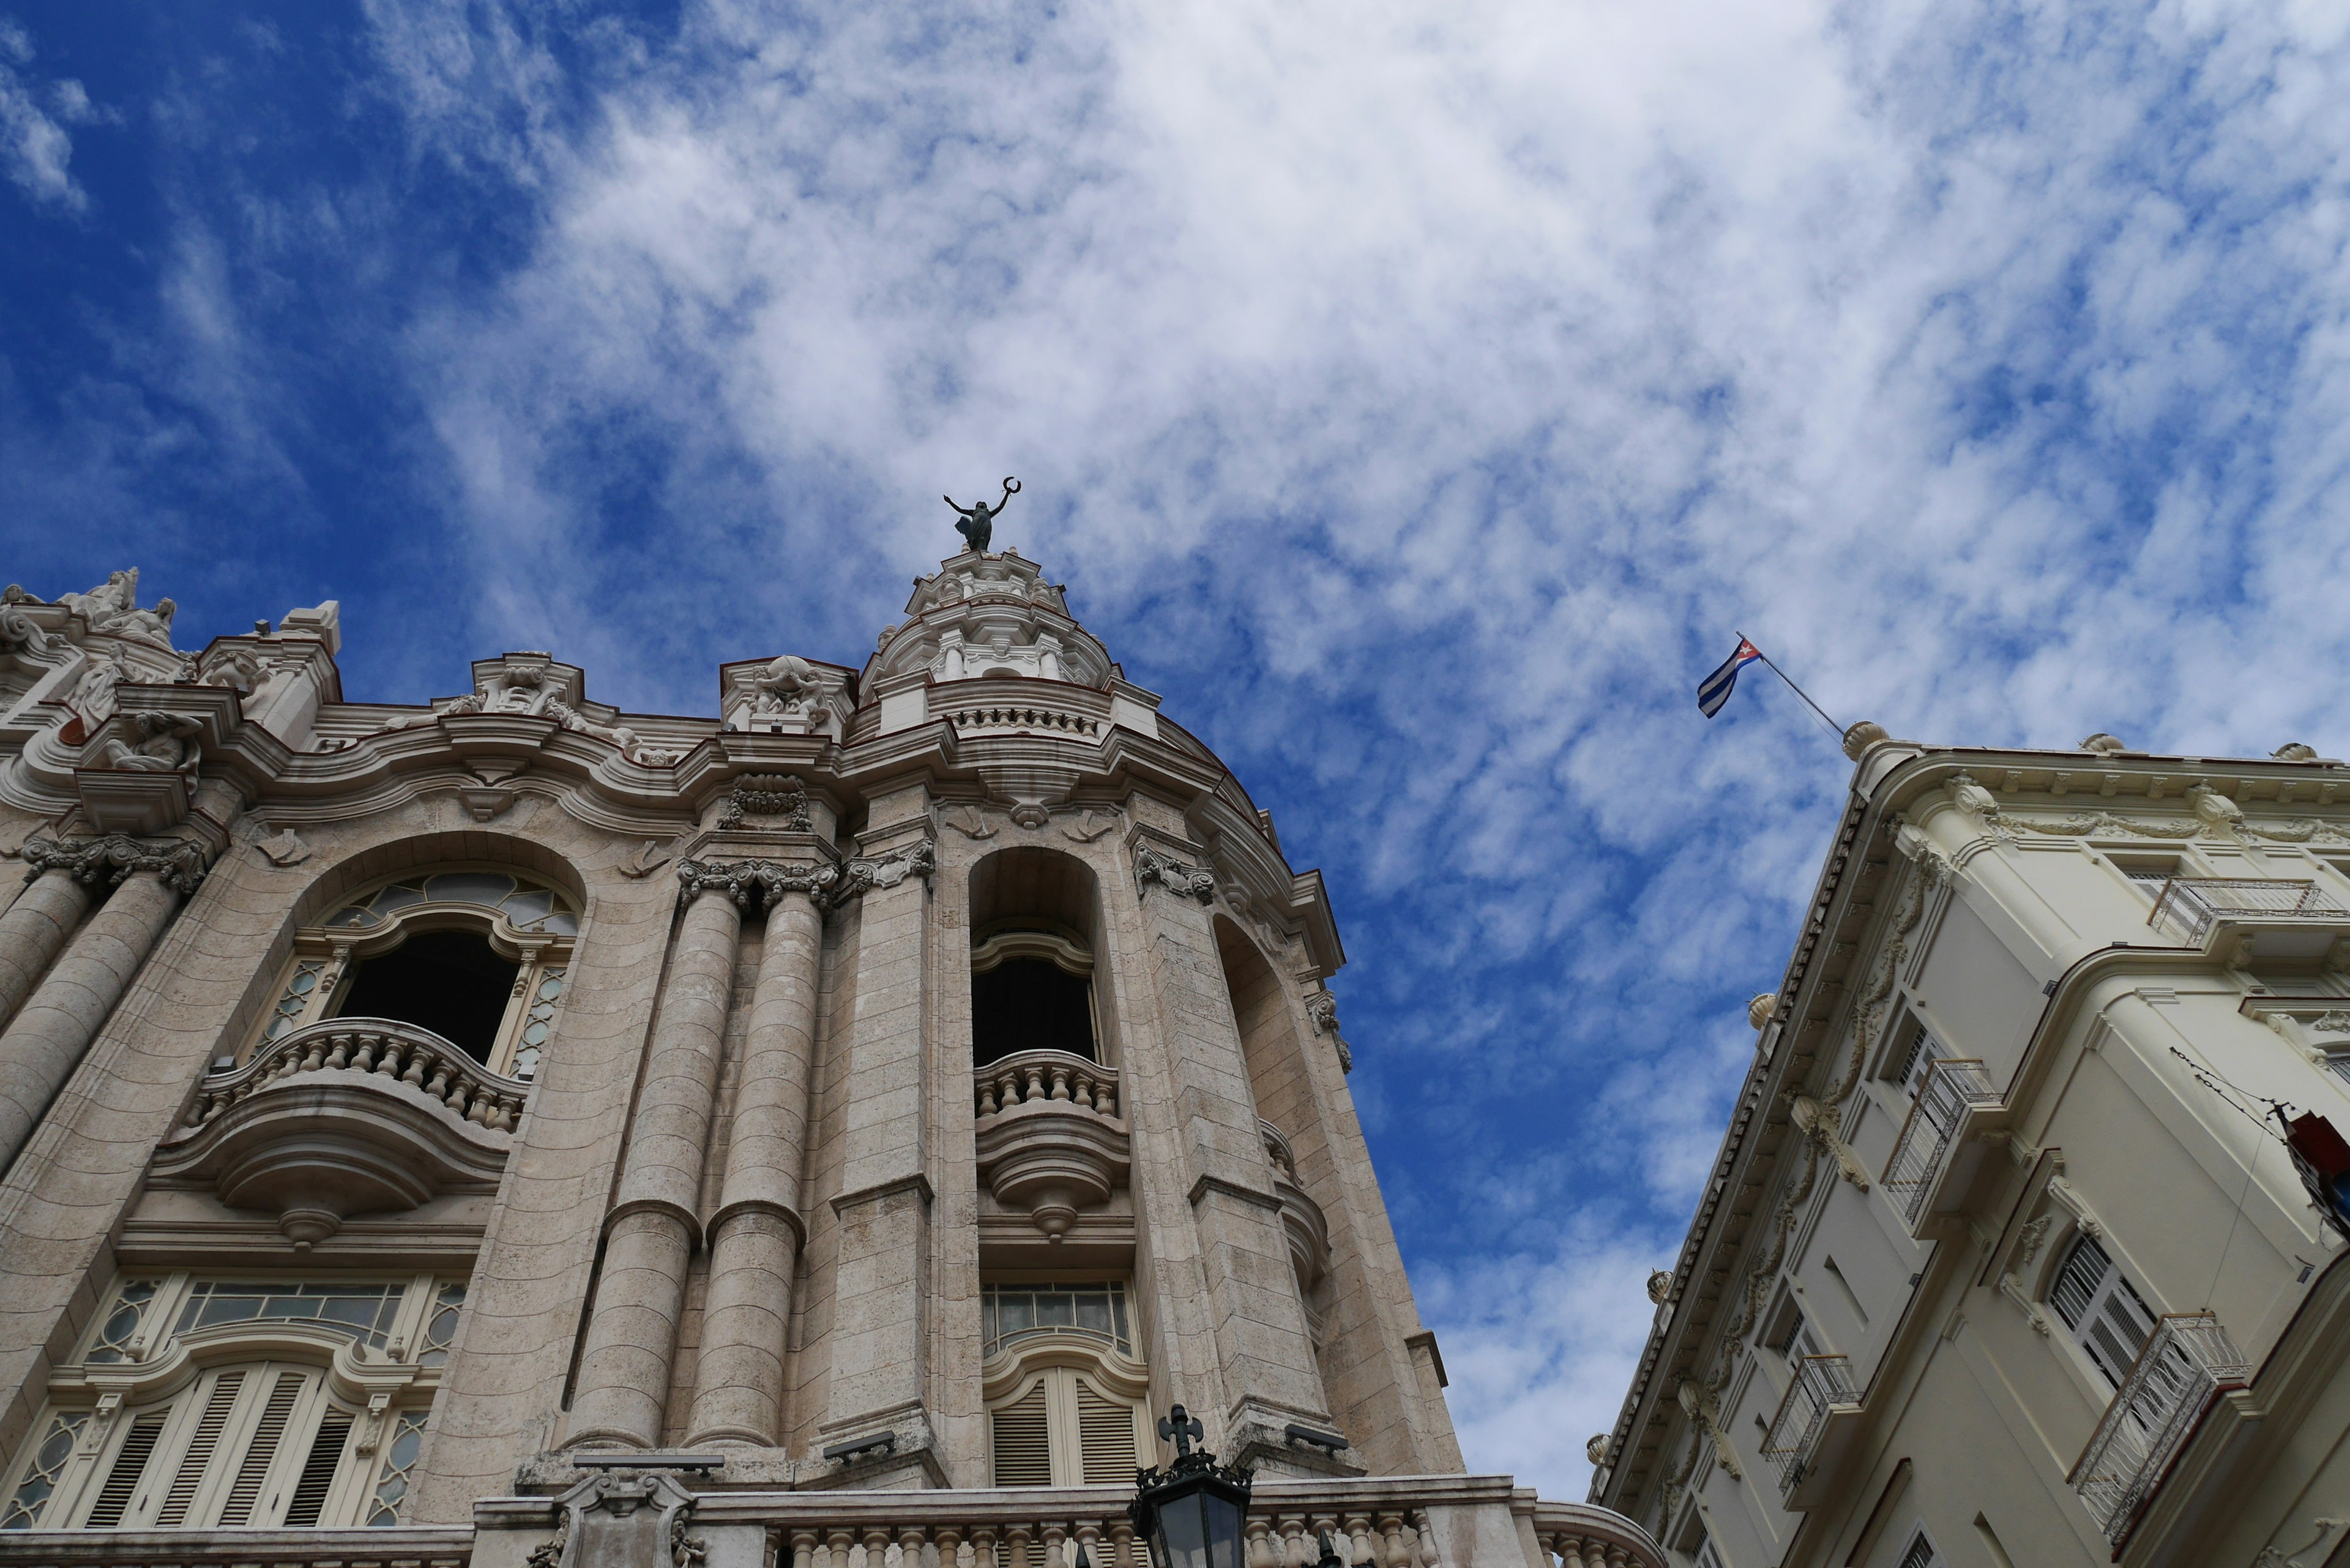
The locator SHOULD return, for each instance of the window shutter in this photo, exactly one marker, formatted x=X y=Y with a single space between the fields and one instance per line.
x=261 y=1449
x=1921 y=1553
x=1104 y=1439
x=2119 y=1330
x=198 y=1456
x=1023 y=1450
x=2076 y=1282
x=318 y=1472
x=130 y=1465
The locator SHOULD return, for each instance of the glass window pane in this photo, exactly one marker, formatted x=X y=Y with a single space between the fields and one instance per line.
x=488 y=887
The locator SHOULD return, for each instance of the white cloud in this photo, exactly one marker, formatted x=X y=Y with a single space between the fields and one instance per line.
x=35 y=148
x=1425 y=393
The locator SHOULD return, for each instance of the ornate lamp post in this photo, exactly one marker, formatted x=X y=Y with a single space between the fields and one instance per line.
x=1192 y=1511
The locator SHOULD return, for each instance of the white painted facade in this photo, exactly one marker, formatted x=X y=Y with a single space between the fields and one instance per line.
x=2002 y=1128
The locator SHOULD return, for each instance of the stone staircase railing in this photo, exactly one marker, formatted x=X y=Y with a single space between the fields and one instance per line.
x=396 y=1052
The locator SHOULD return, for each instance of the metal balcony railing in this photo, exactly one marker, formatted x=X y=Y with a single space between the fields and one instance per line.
x=2189 y=905
x=2188 y=1359
x=1820 y=1384
x=1952 y=1087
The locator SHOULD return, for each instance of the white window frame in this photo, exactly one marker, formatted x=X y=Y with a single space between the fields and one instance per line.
x=134 y=1372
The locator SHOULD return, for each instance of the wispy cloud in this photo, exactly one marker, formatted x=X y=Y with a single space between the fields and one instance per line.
x=35 y=147
x=1422 y=396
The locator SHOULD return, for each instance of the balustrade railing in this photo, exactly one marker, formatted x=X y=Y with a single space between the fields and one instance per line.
x=1581 y=1536
x=1952 y=1087
x=1820 y=1384
x=2189 y=905
x=2188 y=1359
x=1027 y=1076
x=1025 y=716
x=395 y=1052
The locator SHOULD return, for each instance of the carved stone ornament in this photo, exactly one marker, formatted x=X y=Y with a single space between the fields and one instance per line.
x=1976 y=802
x=767 y=796
x=1661 y=1285
x=286 y=848
x=864 y=874
x=1596 y=1450
x=968 y=821
x=1759 y=1011
x=1183 y=881
x=650 y=857
x=1323 y=1008
x=738 y=879
x=622 y=1518
x=2104 y=744
x=109 y=858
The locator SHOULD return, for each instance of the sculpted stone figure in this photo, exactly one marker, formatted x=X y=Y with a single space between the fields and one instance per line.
x=786 y=682
x=166 y=744
x=978 y=524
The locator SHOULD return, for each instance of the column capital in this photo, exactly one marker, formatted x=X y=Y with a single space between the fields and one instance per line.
x=109 y=858
x=866 y=873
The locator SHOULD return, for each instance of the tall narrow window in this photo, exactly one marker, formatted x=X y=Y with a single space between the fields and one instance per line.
x=2109 y=1318
x=1921 y=1052
x=1031 y=990
x=1064 y=1428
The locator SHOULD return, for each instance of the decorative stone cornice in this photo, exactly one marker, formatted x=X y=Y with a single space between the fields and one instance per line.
x=110 y=857
x=1183 y=881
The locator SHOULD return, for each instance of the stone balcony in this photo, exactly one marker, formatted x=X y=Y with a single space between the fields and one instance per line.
x=1050 y=1139
x=346 y=1116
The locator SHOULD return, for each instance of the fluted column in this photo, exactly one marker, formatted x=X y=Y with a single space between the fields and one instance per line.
x=650 y=1232
x=46 y=1040
x=34 y=932
x=757 y=1231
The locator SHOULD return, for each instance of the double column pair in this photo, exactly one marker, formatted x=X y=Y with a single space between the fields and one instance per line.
x=756 y=1234
x=54 y=1006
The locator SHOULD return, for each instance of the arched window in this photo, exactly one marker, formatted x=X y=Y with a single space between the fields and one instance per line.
x=1031 y=989
x=477 y=957
x=1064 y=1391
x=2107 y=1316
x=202 y=1403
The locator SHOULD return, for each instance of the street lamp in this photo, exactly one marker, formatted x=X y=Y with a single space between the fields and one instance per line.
x=1192 y=1512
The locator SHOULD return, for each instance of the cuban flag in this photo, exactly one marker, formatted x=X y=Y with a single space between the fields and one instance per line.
x=1715 y=689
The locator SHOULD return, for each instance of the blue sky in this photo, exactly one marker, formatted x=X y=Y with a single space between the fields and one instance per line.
x=1420 y=396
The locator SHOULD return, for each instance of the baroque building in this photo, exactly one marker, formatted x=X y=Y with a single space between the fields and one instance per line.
x=2025 y=1246
x=826 y=1134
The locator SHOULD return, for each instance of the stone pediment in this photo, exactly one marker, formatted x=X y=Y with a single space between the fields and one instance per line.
x=346 y=1116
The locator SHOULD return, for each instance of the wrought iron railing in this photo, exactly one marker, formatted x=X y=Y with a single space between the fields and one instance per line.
x=2189 y=905
x=1820 y=1384
x=1952 y=1087
x=2188 y=1359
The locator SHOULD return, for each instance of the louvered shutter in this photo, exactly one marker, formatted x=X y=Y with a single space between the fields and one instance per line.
x=1104 y=1437
x=319 y=1472
x=1921 y=1553
x=2077 y=1282
x=2118 y=1330
x=129 y=1466
x=261 y=1449
x=197 y=1456
x=1023 y=1455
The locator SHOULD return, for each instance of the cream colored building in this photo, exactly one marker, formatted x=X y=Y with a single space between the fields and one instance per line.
x=2003 y=1263
x=826 y=1134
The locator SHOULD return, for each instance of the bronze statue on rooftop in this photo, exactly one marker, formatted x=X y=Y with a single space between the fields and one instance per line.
x=978 y=524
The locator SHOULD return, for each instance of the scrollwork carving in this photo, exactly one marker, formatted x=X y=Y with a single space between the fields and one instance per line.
x=866 y=873
x=767 y=796
x=1183 y=881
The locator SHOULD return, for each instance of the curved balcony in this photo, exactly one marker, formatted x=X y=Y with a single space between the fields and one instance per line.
x=346 y=1116
x=1301 y=1217
x=1050 y=1140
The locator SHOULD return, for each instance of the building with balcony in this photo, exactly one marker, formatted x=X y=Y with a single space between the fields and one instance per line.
x=2008 y=1258
x=823 y=1134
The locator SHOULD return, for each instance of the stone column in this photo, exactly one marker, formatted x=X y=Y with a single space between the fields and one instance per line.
x=879 y=1342
x=757 y=1232
x=35 y=929
x=1256 y=1313
x=46 y=1040
x=653 y=1226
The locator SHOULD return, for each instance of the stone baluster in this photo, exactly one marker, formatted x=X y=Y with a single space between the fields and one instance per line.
x=877 y=1545
x=910 y=1540
x=33 y=930
x=757 y=1231
x=650 y=1234
x=50 y=1035
x=803 y=1547
x=1362 y=1545
x=982 y=1547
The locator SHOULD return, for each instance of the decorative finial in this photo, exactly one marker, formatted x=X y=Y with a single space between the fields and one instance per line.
x=978 y=524
x=2104 y=744
x=1761 y=1010
x=1180 y=1428
x=1661 y=1285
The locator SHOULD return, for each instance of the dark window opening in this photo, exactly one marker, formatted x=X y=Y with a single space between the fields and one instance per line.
x=1029 y=1004
x=451 y=982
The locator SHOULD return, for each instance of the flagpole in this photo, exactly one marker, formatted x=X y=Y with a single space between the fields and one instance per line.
x=1798 y=690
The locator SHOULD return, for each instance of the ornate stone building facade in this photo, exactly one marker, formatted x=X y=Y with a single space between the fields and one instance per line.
x=2026 y=1244
x=823 y=1134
